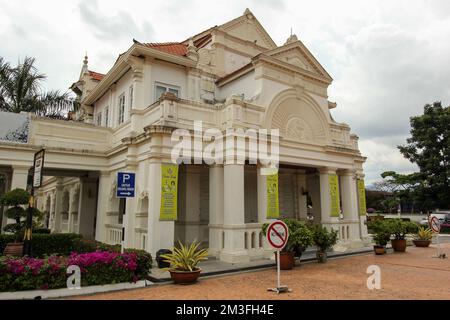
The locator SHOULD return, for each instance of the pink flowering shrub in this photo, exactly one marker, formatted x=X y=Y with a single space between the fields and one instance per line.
x=30 y=274
x=96 y=268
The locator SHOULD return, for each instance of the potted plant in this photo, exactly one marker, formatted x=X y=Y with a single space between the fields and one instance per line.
x=183 y=262
x=300 y=237
x=381 y=236
x=423 y=237
x=324 y=240
x=16 y=199
x=399 y=229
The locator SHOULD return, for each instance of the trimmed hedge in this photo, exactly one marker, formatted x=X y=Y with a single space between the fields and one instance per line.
x=48 y=244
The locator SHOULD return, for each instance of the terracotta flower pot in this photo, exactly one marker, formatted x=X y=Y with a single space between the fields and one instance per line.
x=287 y=260
x=321 y=256
x=379 y=250
x=399 y=245
x=14 y=249
x=422 y=243
x=185 y=277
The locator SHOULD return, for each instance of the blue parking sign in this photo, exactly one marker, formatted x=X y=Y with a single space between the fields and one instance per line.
x=125 y=185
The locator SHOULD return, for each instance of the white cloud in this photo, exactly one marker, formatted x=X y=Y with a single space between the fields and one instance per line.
x=387 y=58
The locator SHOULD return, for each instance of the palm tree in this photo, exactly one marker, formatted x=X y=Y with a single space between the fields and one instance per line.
x=20 y=90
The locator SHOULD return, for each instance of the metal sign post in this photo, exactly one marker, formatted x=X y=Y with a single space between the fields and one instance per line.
x=125 y=189
x=38 y=166
x=277 y=236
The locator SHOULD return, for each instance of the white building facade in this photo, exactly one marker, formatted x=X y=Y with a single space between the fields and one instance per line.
x=231 y=76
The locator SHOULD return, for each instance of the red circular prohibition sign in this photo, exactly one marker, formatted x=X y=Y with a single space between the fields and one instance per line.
x=274 y=236
x=435 y=225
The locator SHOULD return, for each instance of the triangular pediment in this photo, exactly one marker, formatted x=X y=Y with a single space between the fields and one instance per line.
x=248 y=28
x=296 y=54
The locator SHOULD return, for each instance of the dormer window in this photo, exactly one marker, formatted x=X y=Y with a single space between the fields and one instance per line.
x=163 y=88
x=121 y=114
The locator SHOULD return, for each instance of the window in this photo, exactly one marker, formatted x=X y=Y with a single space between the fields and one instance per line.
x=162 y=88
x=121 y=115
x=106 y=116
x=131 y=98
x=99 y=119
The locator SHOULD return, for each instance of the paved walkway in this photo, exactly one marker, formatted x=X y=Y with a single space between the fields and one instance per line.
x=411 y=275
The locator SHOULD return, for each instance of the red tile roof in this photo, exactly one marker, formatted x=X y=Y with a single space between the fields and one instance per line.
x=95 y=75
x=175 y=48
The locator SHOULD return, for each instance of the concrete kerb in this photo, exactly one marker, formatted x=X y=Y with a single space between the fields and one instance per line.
x=64 y=292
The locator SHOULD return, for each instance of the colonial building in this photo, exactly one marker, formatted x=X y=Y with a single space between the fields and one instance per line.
x=229 y=76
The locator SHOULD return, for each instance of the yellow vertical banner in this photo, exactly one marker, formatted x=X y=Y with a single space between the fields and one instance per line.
x=273 y=210
x=169 y=192
x=334 y=195
x=362 y=197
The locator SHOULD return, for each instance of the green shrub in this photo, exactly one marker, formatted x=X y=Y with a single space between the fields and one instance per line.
x=300 y=236
x=144 y=262
x=47 y=244
x=32 y=274
x=324 y=239
x=381 y=233
x=41 y=231
x=399 y=228
x=97 y=268
x=144 y=259
x=66 y=243
x=55 y=244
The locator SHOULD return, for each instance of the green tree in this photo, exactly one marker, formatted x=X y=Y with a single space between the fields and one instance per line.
x=16 y=200
x=429 y=148
x=21 y=90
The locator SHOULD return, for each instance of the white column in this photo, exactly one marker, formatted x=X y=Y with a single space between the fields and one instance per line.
x=104 y=189
x=261 y=182
x=350 y=206
x=19 y=177
x=86 y=208
x=362 y=218
x=302 y=199
x=192 y=222
x=234 y=215
x=58 y=205
x=349 y=196
x=69 y=212
x=160 y=233
x=215 y=209
x=51 y=212
x=325 y=198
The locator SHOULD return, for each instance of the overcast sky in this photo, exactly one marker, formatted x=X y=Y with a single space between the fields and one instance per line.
x=387 y=58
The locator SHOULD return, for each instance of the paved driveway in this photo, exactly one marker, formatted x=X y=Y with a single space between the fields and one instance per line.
x=411 y=275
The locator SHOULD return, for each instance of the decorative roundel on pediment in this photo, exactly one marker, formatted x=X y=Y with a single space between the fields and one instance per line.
x=298 y=129
x=298 y=119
